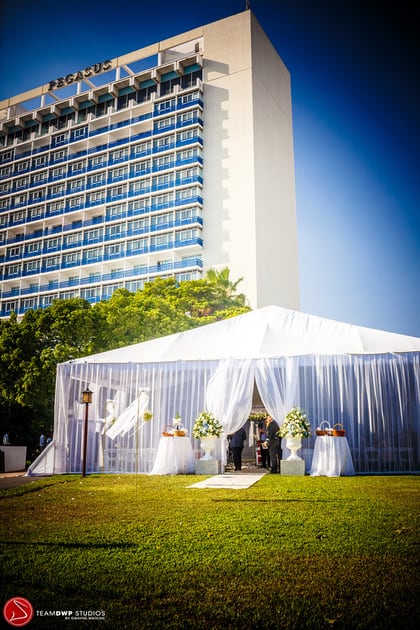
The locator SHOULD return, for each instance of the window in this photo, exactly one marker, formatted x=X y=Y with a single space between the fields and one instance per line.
x=187 y=154
x=97 y=179
x=185 y=136
x=72 y=239
x=161 y=220
x=57 y=189
x=21 y=182
x=39 y=177
x=59 y=171
x=14 y=251
x=98 y=160
x=163 y=143
x=60 y=138
x=115 y=211
x=141 y=149
x=73 y=258
x=186 y=235
x=80 y=133
x=162 y=181
x=36 y=195
x=41 y=160
x=53 y=243
x=115 y=230
x=11 y=306
x=5 y=171
x=162 y=200
x=12 y=270
x=114 y=250
x=52 y=261
x=186 y=117
x=163 y=161
x=22 y=166
x=47 y=300
x=77 y=184
x=31 y=266
x=188 y=98
x=33 y=248
x=160 y=240
x=139 y=168
x=187 y=193
x=96 y=197
x=118 y=191
x=118 y=173
x=58 y=156
x=76 y=201
x=76 y=167
x=138 y=245
x=56 y=207
x=138 y=225
x=94 y=235
x=165 y=105
x=68 y=295
x=93 y=254
x=164 y=123
x=119 y=155
x=89 y=294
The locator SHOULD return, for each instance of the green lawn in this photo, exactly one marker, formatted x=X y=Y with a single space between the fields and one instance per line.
x=295 y=553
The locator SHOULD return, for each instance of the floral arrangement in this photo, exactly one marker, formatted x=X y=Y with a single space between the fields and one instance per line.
x=206 y=425
x=295 y=424
x=147 y=415
x=257 y=417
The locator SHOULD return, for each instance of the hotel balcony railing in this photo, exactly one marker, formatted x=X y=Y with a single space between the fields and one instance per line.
x=100 y=278
x=179 y=143
x=105 y=257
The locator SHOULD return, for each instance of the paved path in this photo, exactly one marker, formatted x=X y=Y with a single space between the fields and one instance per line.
x=14 y=479
x=233 y=481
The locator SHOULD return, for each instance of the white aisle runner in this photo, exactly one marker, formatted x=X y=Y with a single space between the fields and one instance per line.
x=231 y=481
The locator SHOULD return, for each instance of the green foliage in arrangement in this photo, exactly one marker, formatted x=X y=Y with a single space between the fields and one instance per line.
x=289 y=552
x=31 y=349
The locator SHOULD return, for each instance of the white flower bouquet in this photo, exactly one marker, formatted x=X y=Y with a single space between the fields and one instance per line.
x=206 y=425
x=295 y=424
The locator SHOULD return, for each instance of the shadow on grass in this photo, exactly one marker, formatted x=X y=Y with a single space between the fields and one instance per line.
x=60 y=545
x=311 y=501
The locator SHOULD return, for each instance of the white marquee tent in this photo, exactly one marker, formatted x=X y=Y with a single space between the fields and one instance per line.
x=368 y=380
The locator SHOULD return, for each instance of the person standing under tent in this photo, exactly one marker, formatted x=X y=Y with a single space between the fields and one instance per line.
x=237 y=441
x=274 y=444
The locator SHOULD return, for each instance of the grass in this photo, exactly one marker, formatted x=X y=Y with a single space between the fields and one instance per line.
x=288 y=553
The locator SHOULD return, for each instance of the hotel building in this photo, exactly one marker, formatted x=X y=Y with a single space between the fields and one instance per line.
x=166 y=161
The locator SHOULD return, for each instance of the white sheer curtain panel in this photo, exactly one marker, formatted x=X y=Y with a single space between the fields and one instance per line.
x=229 y=393
x=278 y=384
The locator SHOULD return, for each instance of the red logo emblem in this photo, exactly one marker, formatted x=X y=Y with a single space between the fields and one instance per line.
x=18 y=611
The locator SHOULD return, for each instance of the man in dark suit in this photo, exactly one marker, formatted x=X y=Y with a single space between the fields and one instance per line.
x=237 y=441
x=274 y=443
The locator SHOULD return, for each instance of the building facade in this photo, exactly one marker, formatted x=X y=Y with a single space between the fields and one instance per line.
x=167 y=161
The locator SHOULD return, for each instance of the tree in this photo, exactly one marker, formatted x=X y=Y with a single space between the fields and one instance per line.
x=31 y=349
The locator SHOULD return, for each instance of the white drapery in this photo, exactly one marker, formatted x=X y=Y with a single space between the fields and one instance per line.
x=376 y=397
x=229 y=396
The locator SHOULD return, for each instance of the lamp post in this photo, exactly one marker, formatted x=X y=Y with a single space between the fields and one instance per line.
x=86 y=400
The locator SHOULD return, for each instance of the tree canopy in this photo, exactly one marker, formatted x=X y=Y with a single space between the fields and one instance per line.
x=30 y=349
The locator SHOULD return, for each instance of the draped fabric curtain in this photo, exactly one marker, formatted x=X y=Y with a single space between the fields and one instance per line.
x=229 y=395
x=376 y=397
x=277 y=381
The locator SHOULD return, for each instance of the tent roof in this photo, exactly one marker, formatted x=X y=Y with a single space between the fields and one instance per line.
x=271 y=331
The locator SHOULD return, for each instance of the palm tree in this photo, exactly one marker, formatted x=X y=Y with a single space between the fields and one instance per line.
x=222 y=281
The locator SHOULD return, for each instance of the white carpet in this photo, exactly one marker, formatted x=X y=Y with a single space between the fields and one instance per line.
x=234 y=481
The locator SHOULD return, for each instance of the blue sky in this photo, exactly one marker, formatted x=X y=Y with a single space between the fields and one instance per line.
x=355 y=95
